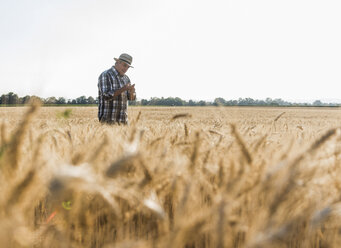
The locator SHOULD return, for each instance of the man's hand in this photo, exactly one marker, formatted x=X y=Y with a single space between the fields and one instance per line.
x=132 y=92
x=125 y=87
x=128 y=87
x=132 y=88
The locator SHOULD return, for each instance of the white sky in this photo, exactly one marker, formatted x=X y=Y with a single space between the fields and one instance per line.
x=193 y=49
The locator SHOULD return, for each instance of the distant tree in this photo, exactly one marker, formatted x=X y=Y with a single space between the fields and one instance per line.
x=219 y=101
x=144 y=102
x=268 y=100
x=81 y=100
x=133 y=103
x=317 y=103
x=13 y=98
x=279 y=101
x=36 y=98
x=153 y=101
x=178 y=101
x=261 y=102
x=202 y=103
x=249 y=101
x=25 y=99
x=4 y=99
x=242 y=102
x=50 y=100
x=231 y=103
x=91 y=100
x=61 y=100
x=191 y=103
x=8 y=96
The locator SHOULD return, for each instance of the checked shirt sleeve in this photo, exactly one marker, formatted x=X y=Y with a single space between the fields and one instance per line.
x=104 y=86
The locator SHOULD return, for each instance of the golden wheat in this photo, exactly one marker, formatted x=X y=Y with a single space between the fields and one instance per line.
x=175 y=177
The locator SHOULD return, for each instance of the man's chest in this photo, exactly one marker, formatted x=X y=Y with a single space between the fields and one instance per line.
x=118 y=82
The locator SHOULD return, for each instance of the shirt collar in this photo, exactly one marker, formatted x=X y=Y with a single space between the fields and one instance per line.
x=116 y=72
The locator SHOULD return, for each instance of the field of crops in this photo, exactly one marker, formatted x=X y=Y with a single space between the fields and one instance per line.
x=175 y=177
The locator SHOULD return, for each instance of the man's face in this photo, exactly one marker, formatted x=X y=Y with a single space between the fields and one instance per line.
x=121 y=67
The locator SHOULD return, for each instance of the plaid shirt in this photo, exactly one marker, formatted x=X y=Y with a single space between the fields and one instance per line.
x=112 y=109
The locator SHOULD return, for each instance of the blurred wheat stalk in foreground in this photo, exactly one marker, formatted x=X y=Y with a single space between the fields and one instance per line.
x=176 y=181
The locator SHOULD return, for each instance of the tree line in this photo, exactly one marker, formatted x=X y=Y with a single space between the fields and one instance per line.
x=13 y=99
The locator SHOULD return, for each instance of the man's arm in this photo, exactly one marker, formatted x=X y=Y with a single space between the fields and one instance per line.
x=104 y=87
x=106 y=90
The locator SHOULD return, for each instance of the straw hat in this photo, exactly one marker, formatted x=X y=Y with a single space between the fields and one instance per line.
x=126 y=58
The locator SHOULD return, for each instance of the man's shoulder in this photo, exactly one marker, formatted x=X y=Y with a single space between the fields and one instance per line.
x=105 y=73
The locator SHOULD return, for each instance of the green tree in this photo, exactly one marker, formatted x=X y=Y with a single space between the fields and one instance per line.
x=4 y=99
x=178 y=101
x=219 y=101
x=91 y=100
x=191 y=103
x=202 y=103
x=317 y=103
x=61 y=100
x=81 y=100
x=51 y=100
x=25 y=99
x=144 y=102
x=13 y=98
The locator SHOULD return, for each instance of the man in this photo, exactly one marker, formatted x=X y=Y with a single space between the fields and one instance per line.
x=114 y=91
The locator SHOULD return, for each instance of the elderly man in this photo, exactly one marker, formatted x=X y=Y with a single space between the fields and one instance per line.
x=114 y=91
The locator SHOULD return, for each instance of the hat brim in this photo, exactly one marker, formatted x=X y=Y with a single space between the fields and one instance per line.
x=116 y=59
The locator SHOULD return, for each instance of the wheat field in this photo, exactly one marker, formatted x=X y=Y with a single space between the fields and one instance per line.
x=198 y=177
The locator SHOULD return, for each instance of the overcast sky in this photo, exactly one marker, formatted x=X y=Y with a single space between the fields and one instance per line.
x=192 y=49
